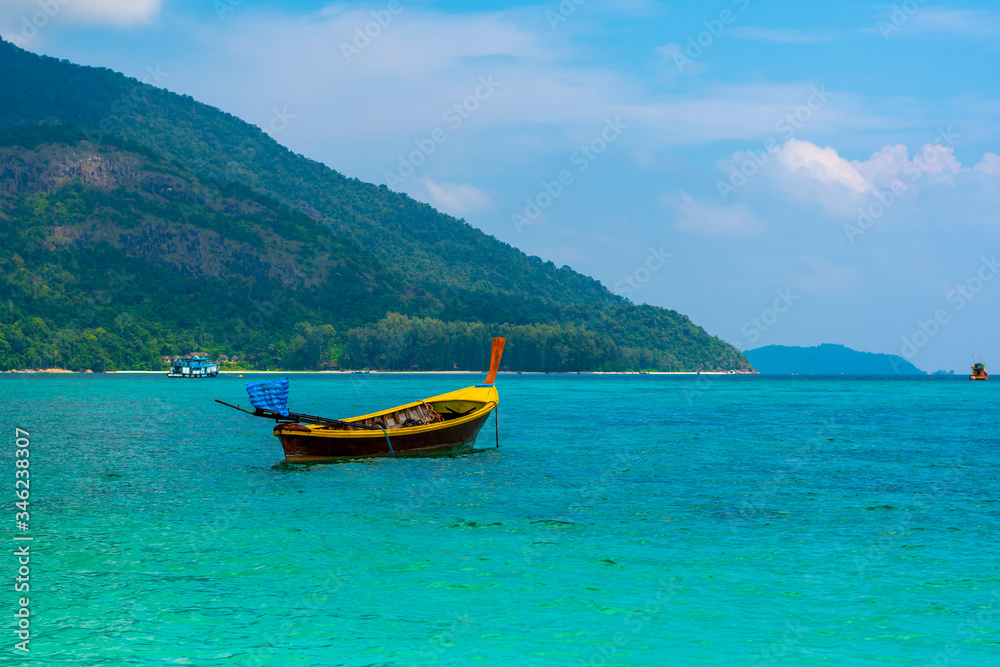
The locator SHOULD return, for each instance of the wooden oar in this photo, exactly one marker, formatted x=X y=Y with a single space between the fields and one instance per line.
x=498 y=344
x=299 y=417
x=310 y=419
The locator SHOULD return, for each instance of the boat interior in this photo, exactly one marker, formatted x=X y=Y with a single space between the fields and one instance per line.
x=420 y=414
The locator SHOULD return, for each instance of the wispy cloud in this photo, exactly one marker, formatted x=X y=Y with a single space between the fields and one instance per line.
x=990 y=164
x=30 y=24
x=457 y=198
x=678 y=62
x=781 y=35
x=120 y=13
x=940 y=22
x=712 y=217
x=960 y=22
x=401 y=86
x=822 y=276
x=117 y=13
x=893 y=162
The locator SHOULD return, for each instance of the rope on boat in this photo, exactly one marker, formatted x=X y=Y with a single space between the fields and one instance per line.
x=386 y=434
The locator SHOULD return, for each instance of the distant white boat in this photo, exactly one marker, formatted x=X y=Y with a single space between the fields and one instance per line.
x=193 y=367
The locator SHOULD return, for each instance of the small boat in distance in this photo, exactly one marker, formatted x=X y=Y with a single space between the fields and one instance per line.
x=445 y=423
x=979 y=372
x=193 y=367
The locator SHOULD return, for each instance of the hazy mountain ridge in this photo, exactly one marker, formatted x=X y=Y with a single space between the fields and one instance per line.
x=827 y=359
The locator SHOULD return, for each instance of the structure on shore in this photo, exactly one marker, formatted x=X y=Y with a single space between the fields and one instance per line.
x=193 y=366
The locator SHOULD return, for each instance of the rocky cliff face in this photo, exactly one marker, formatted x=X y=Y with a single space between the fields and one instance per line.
x=160 y=214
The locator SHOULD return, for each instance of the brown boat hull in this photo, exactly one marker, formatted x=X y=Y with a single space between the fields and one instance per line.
x=303 y=445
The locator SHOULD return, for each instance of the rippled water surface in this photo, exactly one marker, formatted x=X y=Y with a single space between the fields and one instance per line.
x=624 y=520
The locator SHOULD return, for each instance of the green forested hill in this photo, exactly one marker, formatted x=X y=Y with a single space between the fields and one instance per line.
x=139 y=223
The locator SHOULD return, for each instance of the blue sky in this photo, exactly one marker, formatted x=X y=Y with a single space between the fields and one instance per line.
x=783 y=173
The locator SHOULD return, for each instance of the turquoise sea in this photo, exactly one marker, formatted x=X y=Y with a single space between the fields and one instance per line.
x=624 y=520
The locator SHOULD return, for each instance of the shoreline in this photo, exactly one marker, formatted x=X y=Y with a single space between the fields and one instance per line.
x=41 y=371
x=50 y=370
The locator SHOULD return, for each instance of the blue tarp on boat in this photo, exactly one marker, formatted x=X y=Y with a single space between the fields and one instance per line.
x=269 y=395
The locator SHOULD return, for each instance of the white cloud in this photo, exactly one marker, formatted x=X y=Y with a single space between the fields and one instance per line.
x=780 y=36
x=712 y=217
x=457 y=199
x=721 y=112
x=423 y=62
x=886 y=164
x=25 y=23
x=936 y=159
x=677 y=61
x=821 y=164
x=803 y=171
x=399 y=86
x=23 y=20
x=800 y=171
x=121 y=13
x=990 y=164
x=893 y=163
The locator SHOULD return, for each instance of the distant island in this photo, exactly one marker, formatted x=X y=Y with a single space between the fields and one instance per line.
x=827 y=359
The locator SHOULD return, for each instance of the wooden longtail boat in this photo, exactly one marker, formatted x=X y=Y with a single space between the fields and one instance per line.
x=446 y=423
x=979 y=372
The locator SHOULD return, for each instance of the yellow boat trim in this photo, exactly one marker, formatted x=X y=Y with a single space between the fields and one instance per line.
x=487 y=395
